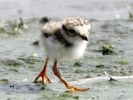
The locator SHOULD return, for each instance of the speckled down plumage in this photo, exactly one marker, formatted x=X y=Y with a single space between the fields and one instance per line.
x=54 y=39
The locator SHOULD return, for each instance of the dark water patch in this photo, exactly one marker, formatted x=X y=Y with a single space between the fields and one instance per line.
x=67 y=96
x=22 y=87
x=30 y=59
x=100 y=66
x=10 y=62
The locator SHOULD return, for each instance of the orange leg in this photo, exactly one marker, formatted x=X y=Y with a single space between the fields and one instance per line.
x=43 y=74
x=69 y=86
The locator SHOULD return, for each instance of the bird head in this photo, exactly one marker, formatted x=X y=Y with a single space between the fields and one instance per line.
x=76 y=27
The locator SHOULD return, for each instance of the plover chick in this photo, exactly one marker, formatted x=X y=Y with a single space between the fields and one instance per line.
x=64 y=40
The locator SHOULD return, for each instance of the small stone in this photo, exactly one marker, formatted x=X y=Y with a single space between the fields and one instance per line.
x=44 y=20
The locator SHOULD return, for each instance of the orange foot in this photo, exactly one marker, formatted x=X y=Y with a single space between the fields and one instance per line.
x=73 y=88
x=44 y=77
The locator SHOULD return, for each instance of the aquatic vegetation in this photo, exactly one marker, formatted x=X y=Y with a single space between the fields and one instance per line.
x=13 y=27
x=36 y=43
x=107 y=50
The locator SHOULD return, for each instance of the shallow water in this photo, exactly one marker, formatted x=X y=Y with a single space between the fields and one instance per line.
x=21 y=61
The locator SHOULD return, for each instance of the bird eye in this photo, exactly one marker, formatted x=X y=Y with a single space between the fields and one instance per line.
x=71 y=30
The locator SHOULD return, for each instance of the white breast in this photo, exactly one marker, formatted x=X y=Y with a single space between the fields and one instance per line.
x=56 y=50
x=74 y=52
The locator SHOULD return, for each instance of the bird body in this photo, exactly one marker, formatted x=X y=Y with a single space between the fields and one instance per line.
x=64 y=40
x=58 y=45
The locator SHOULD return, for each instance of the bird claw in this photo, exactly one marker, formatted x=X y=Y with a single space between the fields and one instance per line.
x=44 y=77
x=47 y=80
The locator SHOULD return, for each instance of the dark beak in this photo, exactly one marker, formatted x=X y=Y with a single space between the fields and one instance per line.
x=84 y=37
